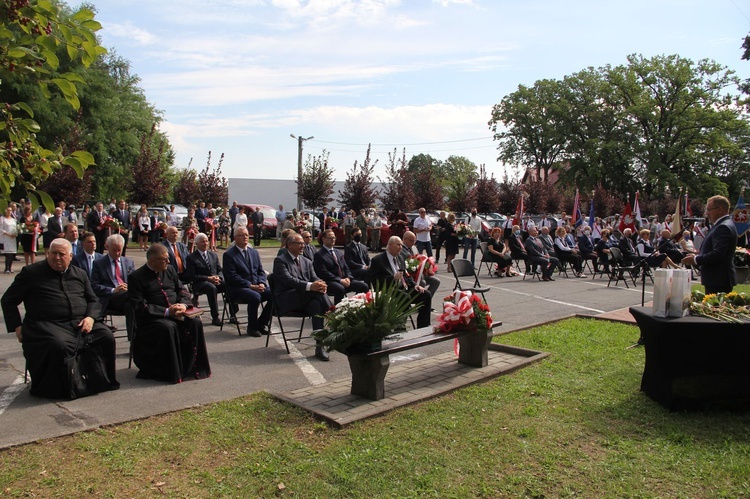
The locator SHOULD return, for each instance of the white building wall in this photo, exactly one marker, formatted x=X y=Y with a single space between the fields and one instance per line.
x=272 y=192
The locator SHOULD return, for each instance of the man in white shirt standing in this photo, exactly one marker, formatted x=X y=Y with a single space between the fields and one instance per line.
x=475 y=223
x=423 y=230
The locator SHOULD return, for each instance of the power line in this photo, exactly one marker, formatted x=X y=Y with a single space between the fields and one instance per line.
x=399 y=144
x=384 y=152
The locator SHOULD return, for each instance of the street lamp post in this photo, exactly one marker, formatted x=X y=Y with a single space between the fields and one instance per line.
x=300 y=140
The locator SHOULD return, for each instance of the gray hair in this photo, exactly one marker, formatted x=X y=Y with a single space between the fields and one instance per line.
x=115 y=239
x=200 y=237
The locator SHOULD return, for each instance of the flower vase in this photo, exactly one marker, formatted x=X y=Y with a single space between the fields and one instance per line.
x=473 y=348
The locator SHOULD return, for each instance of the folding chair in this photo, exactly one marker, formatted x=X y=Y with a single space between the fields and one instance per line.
x=531 y=269
x=618 y=269
x=290 y=314
x=486 y=258
x=230 y=311
x=464 y=268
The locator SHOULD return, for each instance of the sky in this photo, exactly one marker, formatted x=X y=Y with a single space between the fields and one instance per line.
x=239 y=76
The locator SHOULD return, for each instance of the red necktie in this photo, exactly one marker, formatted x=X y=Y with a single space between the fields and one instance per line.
x=118 y=274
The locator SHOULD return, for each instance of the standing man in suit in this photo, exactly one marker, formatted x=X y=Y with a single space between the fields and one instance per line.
x=330 y=265
x=280 y=218
x=122 y=215
x=109 y=279
x=257 y=218
x=297 y=288
x=86 y=258
x=408 y=249
x=59 y=305
x=55 y=227
x=357 y=256
x=389 y=266
x=169 y=346
x=200 y=215
x=309 y=250
x=232 y=216
x=716 y=257
x=177 y=251
x=539 y=255
x=204 y=271
x=95 y=220
x=246 y=282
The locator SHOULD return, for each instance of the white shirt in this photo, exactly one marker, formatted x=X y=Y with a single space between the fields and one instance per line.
x=475 y=223
x=424 y=223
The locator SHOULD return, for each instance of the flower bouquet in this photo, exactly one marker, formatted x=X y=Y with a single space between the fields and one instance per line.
x=161 y=226
x=27 y=227
x=112 y=223
x=728 y=307
x=363 y=321
x=420 y=263
x=741 y=257
x=463 y=230
x=464 y=311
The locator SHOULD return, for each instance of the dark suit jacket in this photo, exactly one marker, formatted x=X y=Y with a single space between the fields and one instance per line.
x=198 y=271
x=326 y=267
x=356 y=256
x=93 y=221
x=517 y=248
x=50 y=296
x=626 y=248
x=183 y=255
x=82 y=262
x=238 y=273
x=381 y=271
x=716 y=257
x=200 y=216
x=309 y=252
x=535 y=250
x=124 y=220
x=585 y=245
x=103 y=277
x=55 y=228
x=289 y=286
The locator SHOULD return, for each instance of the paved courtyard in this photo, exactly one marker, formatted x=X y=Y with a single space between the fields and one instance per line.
x=242 y=365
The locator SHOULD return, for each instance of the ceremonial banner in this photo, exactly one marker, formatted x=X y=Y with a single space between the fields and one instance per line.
x=740 y=217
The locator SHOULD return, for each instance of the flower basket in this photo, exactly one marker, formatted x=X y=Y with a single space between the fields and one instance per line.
x=464 y=311
x=363 y=321
x=728 y=307
x=741 y=257
x=463 y=231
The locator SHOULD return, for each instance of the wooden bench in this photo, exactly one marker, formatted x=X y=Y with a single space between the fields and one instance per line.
x=369 y=368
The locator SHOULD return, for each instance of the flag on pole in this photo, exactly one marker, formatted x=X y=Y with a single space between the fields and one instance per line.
x=741 y=217
x=676 y=228
x=595 y=232
x=626 y=221
x=687 y=211
x=577 y=218
x=637 y=211
x=519 y=212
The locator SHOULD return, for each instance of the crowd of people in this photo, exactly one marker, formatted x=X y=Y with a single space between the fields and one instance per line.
x=159 y=300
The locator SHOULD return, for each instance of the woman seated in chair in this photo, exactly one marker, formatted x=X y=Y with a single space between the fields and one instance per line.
x=566 y=253
x=499 y=252
x=653 y=258
x=602 y=250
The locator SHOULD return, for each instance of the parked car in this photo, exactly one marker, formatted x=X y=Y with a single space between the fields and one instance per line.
x=269 y=219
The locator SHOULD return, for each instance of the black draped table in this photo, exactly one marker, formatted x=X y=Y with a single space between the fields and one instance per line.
x=689 y=359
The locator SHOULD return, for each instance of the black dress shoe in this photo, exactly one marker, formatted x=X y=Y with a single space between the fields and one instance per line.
x=550 y=278
x=233 y=320
x=264 y=329
x=254 y=333
x=216 y=322
x=321 y=354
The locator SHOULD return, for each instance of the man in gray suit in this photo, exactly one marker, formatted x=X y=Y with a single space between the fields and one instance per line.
x=109 y=279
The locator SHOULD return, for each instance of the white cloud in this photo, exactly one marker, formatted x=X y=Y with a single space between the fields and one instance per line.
x=137 y=36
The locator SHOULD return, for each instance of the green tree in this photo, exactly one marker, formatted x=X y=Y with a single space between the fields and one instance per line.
x=358 y=190
x=397 y=191
x=425 y=179
x=316 y=184
x=148 y=180
x=186 y=190
x=213 y=185
x=528 y=126
x=30 y=36
x=460 y=177
x=486 y=192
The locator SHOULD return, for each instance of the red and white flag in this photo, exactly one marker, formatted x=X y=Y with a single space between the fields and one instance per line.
x=626 y=220
x=519 y=212
x=637 y=210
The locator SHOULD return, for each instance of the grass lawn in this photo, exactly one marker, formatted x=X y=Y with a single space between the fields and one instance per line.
x=574 y=424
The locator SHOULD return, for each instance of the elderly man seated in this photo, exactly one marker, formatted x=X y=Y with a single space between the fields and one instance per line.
x=330 y=265
x=60 y=306
x=408 y=249
x=109 y=279
x=538 y=255
x=204 y=272
x=169 y=344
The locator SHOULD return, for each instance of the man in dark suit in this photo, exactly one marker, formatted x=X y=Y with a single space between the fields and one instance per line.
x=357 y=257
x=86 y=258
x=309 y=250
x=201 y=213
x=55 y=227
x=330 y=265
x=59 y=303
x=109 y=279
x=389 y=266
x=71 y=234
x=297 y=288
x=518 y=249
x=122 y=215
x=177 y=251
x=538 y=254
x=257 y=218
x=232 y=217
x=627 y=248
x=204 y=272
x=169 y=345
x=716 y=257
x=246 y=282
x=95 y=221
x=409 y=249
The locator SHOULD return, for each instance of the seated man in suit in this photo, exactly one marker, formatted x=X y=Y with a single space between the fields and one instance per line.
x=517 y=247
x=547 y=240
x=59 y=304
x=389 y=266
x=330 y=265
x=665 y=244
x=408 y=249
x=177 y=252
x=539 y=255
x=296 y=288
x=309 y=250
x=86 y=258
x=587 y=248
x=71 y=234
x=357 y=257
x=109 y=279
x=627 y=248
x=169 y=344
x=204 y=272
x=246 y=282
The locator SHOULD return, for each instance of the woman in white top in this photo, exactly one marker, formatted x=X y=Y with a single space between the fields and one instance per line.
x=144 y=227
x=566 y=253
x=8 y=238
x=240 y=220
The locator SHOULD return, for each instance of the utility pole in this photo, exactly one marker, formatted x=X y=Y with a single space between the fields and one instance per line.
x=300 y=140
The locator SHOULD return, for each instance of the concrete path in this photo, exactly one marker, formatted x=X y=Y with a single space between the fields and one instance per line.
x=242 y=365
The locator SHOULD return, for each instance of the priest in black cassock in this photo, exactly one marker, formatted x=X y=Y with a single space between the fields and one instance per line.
x=59 y=304
x=168 y=346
